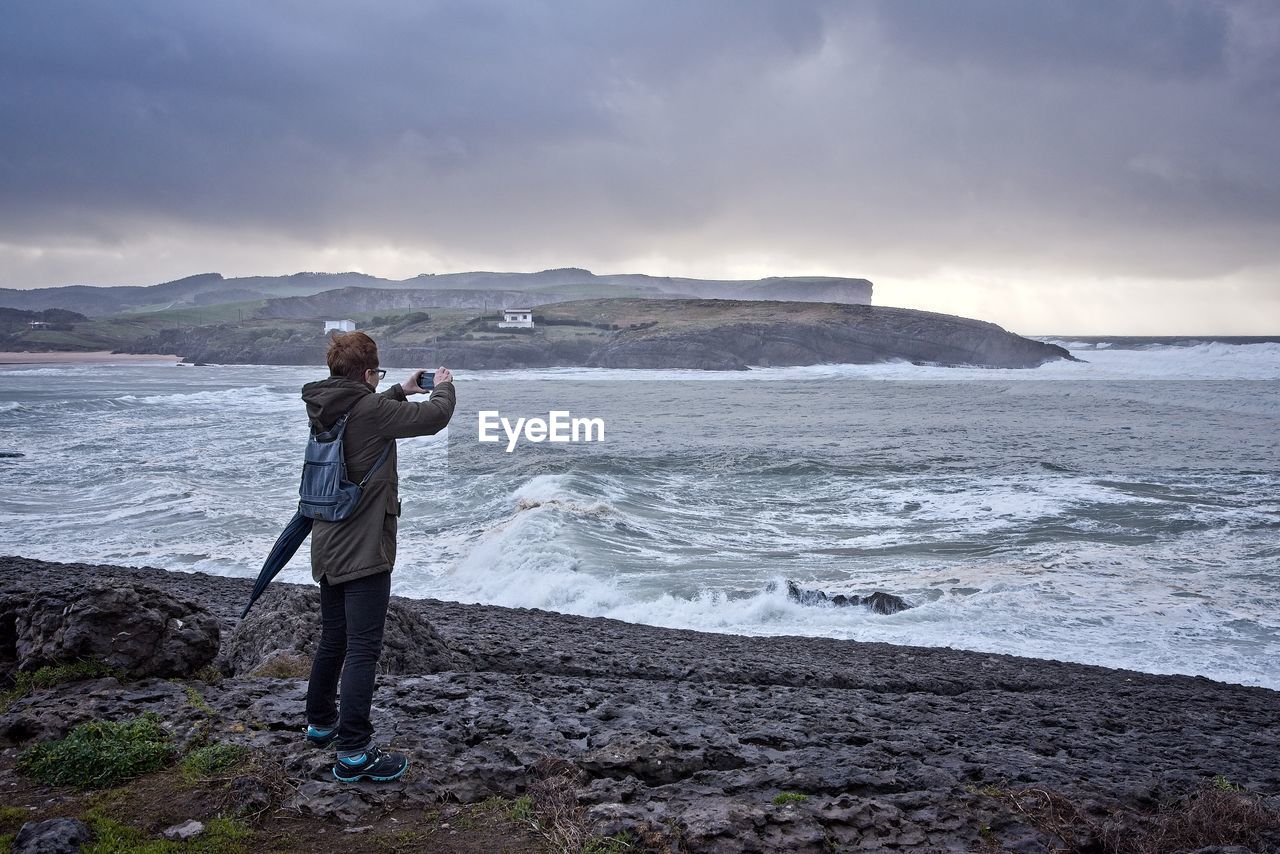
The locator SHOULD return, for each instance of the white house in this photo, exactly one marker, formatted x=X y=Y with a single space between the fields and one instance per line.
x=340 y=325
x=516 y=318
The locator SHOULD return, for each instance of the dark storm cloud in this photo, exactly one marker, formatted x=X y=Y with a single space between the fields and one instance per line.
x=1153 y=37
x=281 y=115
x=1131 y=137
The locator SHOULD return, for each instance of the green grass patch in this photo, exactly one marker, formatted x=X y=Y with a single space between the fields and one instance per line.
x=521 y=809
x=209 y=674
x=1221 y=783
x=789 y=798
x=196 y=315
x=59 y=340
x=197 y=701
x=100 y=754
x=620 y=843
x=12 y=819
x=518 y=809
x=56 y=674
x=50 y=675
x=213 y=760
x=221 y=836
x=990 y=790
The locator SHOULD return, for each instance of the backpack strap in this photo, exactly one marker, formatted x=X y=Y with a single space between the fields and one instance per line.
x=382 y=459
x=333 y=433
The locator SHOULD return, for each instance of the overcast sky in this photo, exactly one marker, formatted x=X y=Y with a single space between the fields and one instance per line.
x=1105 y=166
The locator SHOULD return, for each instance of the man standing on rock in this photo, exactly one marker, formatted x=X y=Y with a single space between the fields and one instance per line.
x=352 y=559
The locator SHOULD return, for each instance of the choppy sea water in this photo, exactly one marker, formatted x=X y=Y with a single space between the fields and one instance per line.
x=1123 y=512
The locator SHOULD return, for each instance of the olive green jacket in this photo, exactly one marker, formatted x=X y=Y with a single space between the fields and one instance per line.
x=365 y=542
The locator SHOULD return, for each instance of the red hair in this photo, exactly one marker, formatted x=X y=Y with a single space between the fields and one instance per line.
x=351 y=354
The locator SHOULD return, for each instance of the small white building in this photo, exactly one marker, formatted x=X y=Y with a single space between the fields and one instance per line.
x=516 y=318
x=339 y=325
x=39 y=324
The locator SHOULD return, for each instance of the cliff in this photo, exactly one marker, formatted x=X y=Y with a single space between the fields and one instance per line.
x=345 y=302
x=208 y=289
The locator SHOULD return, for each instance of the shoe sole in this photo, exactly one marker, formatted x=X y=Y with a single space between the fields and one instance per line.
x=374 y=777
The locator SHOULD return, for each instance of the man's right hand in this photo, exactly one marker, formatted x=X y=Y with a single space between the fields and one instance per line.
x=443 y=375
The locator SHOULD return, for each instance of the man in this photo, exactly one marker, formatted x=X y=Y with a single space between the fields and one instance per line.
x=352 y=559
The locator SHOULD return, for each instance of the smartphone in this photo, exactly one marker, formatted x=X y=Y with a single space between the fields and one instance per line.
x=426 y=380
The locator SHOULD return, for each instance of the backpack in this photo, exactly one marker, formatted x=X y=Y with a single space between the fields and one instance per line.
x=325 y=493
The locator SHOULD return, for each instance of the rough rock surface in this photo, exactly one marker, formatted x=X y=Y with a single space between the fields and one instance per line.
x=55 y=836
x=129 y=626
x=182 y=832
x=693 y=735
x=286 y=622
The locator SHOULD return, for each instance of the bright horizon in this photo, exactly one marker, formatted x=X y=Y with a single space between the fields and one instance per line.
x=967 y=300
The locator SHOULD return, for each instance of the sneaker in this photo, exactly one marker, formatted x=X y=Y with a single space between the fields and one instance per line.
x=373 y=764
x=321 y=737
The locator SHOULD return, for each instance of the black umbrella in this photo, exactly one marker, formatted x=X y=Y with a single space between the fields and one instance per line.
x=286 y=546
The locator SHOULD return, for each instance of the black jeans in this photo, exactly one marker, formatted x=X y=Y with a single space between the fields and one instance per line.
x=352 y=615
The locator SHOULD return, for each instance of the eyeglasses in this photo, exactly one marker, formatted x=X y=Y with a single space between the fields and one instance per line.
x=381 y=372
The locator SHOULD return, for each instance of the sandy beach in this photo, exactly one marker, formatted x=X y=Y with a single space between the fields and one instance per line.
x=97 y=357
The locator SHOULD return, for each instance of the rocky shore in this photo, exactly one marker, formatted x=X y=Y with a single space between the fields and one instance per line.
x=644 y=738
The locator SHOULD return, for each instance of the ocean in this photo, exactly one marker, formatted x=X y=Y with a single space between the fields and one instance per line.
x=1124 y=511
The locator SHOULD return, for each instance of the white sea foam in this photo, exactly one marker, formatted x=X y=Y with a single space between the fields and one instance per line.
x=251 y=395
x=1213 y=360
x=1210 y=361
x=522 y=561
x=1123 y=524
x=10 y=371
x=1022 y=610
x=1052 y=608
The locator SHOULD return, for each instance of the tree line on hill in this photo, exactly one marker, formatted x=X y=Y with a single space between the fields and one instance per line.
x=17 y=320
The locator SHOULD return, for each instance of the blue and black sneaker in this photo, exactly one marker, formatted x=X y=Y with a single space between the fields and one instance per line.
x=373 y=764
x=320 y=736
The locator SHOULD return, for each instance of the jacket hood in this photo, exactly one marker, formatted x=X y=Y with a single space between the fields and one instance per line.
x=327 y=400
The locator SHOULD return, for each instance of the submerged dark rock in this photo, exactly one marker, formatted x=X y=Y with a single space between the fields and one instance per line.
x=689 y=737
x=879 y=602
x=885 y=603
